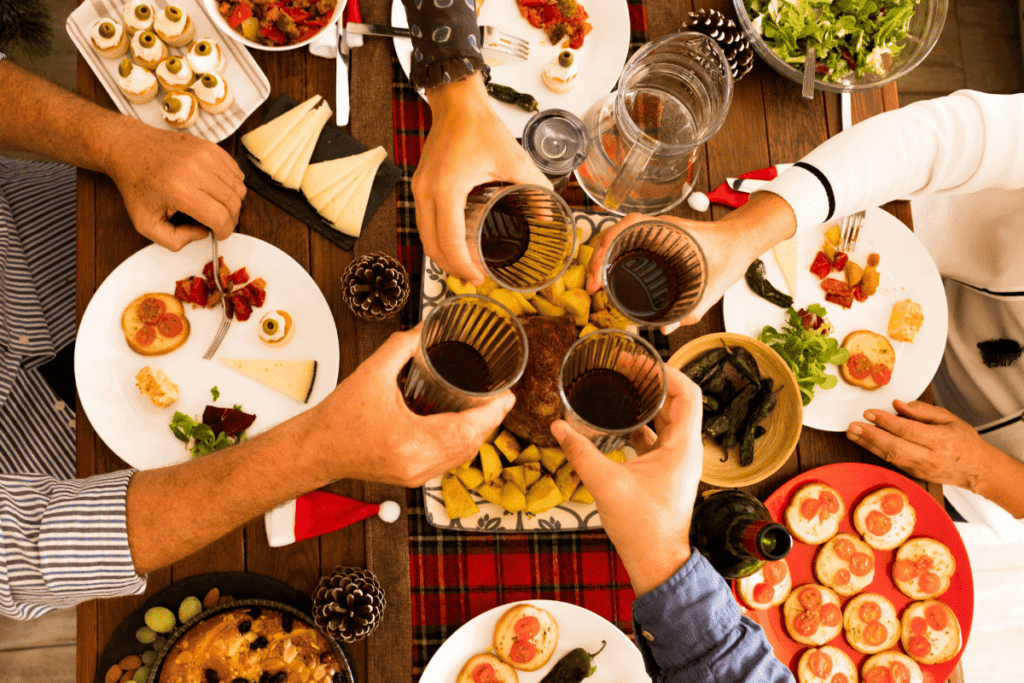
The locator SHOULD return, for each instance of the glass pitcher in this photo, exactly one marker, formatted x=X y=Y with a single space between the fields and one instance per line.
x=673 y=95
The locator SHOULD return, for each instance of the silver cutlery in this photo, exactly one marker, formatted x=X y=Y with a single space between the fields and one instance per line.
x=226 y=322
x=850 y=231
x=494 y=42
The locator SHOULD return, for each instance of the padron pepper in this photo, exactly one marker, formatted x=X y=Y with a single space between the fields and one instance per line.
x=755 y=277
x=574 y=667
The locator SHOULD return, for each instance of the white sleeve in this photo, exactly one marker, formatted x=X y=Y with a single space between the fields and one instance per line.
x=962 y=143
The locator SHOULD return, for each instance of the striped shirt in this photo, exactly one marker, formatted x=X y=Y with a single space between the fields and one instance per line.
x=62 y=540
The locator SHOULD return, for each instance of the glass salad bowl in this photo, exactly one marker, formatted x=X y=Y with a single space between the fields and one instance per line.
x=921 y=30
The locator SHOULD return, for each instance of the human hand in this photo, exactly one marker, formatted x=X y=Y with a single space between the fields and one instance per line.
x=468 y=145
x=160 y=173
x=366 y=431
x=646 y=504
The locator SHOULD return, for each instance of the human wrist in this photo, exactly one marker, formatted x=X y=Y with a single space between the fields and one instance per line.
x=655 y=565
x=464 y=96
x=764 y=221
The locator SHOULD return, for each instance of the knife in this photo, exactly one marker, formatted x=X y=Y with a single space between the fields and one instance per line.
x=341 y=84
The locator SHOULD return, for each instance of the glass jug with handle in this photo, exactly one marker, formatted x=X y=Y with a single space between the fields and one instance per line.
x=673 y=95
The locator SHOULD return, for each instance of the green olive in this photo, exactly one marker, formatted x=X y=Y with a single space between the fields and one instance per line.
x=209 y=81
x=203 y=48
x=147 y=39
x=270 y=327
x=565 y=59
x=250 y=28
x=125 y=67
x=173 y=14
x=107 y=30
x=174 y=65
x=172 y=105
x=142 y=12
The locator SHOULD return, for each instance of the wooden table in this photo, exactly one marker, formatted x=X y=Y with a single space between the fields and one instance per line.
x=768 y=123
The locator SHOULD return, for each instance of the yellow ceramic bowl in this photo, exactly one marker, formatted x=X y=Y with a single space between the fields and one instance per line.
x=783 y=424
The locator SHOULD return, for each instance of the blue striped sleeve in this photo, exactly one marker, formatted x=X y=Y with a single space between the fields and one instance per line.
x=63 y=542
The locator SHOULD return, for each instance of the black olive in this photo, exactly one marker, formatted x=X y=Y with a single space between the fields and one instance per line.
x=258 y=644
x=287 y=623
x=255 y=612
x=240 y=680
x=211 y=676
x=279 y=677
x=244 y=626
x=265 y=677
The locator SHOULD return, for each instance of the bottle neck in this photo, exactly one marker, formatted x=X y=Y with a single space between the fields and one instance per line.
x=761 y=539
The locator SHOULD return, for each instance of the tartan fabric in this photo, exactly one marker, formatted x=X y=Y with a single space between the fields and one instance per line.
x=456 y=576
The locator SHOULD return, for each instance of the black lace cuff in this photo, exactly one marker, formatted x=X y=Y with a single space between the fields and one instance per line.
x=445 y=41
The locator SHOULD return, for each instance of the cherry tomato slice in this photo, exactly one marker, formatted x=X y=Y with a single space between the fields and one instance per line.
x=879 y=674
x=900 y=673
x=924 y=563
x=484 y=673
x=881 y=374
x=775 y=572
x=919 y=646
x=763 y=593
x=892 y=503
x=809 y=508
x=936 y=617
x=840 y=678
x=904 y=570
x=830 y=615
x=875 y=633
x=806 y=623
x=870 y=611
x=522 y=651
x=844 y=548
x=145 y=336
x=810 y=598
x=929 y=583
x=842 y=577
x=170 y=325
x=859 y=366
x=829 y=502
x=820 y=664
x=861 y=564
x=918 y=626
x=878 y=523
x=527 y=627
x=150 y=310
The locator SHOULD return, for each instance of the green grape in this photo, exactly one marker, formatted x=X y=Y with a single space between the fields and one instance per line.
x=141 y=674
x=145 y=635
x=148 y=657
x=188 y=608
x=160 y=619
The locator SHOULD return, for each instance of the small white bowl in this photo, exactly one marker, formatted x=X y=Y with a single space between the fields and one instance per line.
x=211 y=7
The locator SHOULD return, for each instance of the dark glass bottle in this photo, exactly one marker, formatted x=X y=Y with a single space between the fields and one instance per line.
x=736 y=533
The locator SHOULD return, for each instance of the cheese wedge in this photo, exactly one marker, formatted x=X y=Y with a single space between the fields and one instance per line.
x=325 y=174
x=263 y=140
x=349 y=219
x=293 y=378
x=287 y=153
x=291 y=175
x=328 y=200
x=785 y=254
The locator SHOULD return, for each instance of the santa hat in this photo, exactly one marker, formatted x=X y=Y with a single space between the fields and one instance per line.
x=320 y=512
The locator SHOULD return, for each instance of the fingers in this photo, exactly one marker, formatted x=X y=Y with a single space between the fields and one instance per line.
x=393 y=354
x=451 y=237
x=908 y=429
x=594 y=468
x=175 y=237
x=681 y=414
x=479 y=422
x=923 y=412
x=886 y=445
x=643 y=440
x=600 y=244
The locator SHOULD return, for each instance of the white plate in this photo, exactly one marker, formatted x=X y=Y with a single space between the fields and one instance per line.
x=600 y=59
x=329 y=29
x=105 y=366
x=577 y=627
x=248 y=83
x=907 y=272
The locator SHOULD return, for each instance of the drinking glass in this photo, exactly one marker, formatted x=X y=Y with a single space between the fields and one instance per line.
x=524 y=236
x=557 y=141
x=654 y=272
x=471 y=349
x=611 y=383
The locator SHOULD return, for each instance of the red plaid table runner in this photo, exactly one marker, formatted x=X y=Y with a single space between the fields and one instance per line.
x=456 y=576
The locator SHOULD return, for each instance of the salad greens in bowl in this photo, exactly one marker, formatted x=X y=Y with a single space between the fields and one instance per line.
x=859 y=44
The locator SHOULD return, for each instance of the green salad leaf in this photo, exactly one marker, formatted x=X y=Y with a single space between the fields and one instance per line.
x=806 y=352
x=849 y=36
x=204 y=441
x=215 y=392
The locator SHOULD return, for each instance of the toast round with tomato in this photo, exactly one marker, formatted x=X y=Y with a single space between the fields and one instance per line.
x=885 y=518
x=814 y=513
x=526 y=637
x=487 y=668
x=845 y=564
x=923 y=568
x=768 y=587
x=872 y=360
x=154 y=324
x=824 y=664
x=930 y=632
x=812 y=614
x=897 y=665
x=870 y=623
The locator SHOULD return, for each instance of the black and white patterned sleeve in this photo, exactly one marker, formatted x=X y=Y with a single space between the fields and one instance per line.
x=445 y=41
x=63 y=542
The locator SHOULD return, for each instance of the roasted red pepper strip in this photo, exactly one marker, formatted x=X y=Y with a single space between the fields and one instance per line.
x=240 y=13
x=821 y=266
x=839 y=262
x=296 y=14
x=273 y=34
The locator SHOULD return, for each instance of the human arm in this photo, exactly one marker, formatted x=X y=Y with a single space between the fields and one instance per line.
x=935 y=445
x=158 y=172
x=687 y=624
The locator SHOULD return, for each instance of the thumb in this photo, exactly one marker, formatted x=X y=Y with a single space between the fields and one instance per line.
x=482 y=420
x=175 y=237
x=591 y=464
x=393 y=354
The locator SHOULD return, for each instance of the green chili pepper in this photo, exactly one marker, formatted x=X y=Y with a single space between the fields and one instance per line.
x=744 y=362
x=761 y=406
x=701 y=368
x=764 y=289
x=573 y=667
x=503 y=93
x=737 y=410
x=716 y=383
x=709 y=403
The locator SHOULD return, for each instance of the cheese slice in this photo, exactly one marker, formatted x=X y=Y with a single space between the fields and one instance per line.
x=263 y=140
x=329 y=193
x=291 y=176
x=287 y=153
x=333 y=199
x=293 y=378
x=785 y=254
x=327 y=173
x=349 y=219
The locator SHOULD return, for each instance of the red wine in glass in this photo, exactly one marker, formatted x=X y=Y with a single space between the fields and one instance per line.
x=505 y=235
x=461 y=365
x=605 y=399
x=643 y=283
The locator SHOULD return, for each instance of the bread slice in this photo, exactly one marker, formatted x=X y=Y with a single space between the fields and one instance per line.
x=545 y=640
x=942 y=644
x=905 y=321
x=859 y=631
x=502 y=672
x=155 y=384
x=889 y=660
x=824 y=521
x=132 y=326
x=877 y=349
x=931 y=558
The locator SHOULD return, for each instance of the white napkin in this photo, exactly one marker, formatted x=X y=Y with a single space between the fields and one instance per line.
x=325 y=45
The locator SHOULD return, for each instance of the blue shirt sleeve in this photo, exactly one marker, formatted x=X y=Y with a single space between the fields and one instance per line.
x=690 y=629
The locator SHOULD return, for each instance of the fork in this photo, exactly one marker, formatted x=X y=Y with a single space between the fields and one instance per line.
x=850 y=226
x=226 y=322
x=492 y=38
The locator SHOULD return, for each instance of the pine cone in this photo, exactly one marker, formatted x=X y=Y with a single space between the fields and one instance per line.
x=348 y=603
x=375 y=286
x=729 y=37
